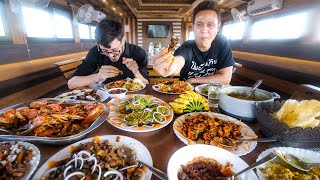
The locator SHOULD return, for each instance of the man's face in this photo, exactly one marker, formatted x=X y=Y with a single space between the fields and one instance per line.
x=115 y=50
x=206 y=27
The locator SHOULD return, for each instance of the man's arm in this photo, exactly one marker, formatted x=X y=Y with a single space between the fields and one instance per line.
x=104 y=73
x=166 y=64
x=222 y=76
x=81 y=81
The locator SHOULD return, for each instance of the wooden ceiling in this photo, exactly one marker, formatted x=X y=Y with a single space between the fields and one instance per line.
x=153 y=9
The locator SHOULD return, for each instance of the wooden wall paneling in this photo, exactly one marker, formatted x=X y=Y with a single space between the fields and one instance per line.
x=32 y=92
x=13 y=70
x=130 y=29
x=298 y=65
x=276 y=83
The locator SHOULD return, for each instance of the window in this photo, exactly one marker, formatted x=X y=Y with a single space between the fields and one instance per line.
x=37 y=22
x=49 y=24
x=84 y=31
x=234 y=30
x=93 y=28
x=286 y=27
x=1 y=27
x=62 y=23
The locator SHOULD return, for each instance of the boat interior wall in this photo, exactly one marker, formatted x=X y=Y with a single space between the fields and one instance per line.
x=24 y=81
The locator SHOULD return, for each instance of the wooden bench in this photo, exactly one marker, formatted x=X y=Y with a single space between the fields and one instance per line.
x=68 y=67
x=306 y=92
x=24 y=81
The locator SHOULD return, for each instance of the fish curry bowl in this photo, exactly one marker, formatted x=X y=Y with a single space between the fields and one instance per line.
x=233 y=101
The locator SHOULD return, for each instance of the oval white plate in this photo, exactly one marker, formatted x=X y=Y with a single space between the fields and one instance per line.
x=35 y=158
x=143 y=86
x=246 y=132
x=303 y=154
x=154 y=87
x=141 y=151
x=187 y=153
x=116 y=118
x=101 y=93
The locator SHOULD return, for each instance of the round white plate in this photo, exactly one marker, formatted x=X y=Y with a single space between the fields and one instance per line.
x=35 y=158
x=155 y=87
x=141 y=151
x=303 y=154
x=199 y=88
x=116 y=118
x=246 y=132
x=101 y=93
x=187 y=153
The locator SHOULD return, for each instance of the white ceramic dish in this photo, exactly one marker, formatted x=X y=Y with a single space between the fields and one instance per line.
x=186 y=154
x=116 y=118
x=156 y=88
x=246 y=132
x=303 y=154
x=117 y=95
x=35 y=158
x=101 y=93
x=141 y=151
x=199 y=88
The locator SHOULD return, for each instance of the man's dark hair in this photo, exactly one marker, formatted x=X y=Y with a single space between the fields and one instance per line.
x=107 y=30
x=207 y=5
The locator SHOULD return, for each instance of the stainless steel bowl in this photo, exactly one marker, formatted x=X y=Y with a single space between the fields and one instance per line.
x=55 y=140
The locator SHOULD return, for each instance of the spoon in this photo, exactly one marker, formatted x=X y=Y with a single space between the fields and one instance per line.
x=21 y=131
x=266 y=159
x=295 y=161
x=254 y=87
x=231 y=143
x=130 y=155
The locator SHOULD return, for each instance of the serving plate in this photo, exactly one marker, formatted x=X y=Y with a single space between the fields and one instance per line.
x=187 y=153
x=142 y=84
x=141 y=151
x=34 y=162
x=115 y=117
x=101 y=93
x=156 y=88
x=199 y=88
x=303 y=154
x=55 y=140
x=247 y=133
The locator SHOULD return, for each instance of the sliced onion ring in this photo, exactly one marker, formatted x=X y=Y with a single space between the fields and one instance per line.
x=74 y=174
x=155 y=119
x=165 y=108
x=114 y=172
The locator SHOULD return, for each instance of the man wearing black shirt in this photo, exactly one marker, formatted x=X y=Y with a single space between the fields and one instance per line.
x=113 y=56
x=207 y=58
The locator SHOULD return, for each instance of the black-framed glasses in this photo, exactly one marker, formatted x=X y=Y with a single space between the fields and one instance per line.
x=108 y=53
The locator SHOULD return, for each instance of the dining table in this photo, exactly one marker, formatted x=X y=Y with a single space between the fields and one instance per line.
x=161 y=143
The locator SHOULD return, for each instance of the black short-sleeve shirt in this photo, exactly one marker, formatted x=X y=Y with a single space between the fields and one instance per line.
x=201 y=64
x=95 y=60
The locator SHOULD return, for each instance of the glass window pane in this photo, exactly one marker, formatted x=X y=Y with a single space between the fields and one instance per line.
x=93 y=28
x=262 y=29
x=234 y=31
x=1 y=27
x=63 y=25
x=290 y=27
x=38 y=23
x=287 y=27
x=84 y=31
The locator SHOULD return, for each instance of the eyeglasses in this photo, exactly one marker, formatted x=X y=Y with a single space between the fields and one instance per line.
x=108 y=53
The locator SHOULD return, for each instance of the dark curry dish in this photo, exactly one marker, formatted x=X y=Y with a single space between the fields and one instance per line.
x=51 y=118
x=97 y=160
x=204 y=169
x=14 y=161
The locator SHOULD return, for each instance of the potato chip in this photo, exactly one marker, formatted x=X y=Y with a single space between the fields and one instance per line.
x=303 y=114
x=286 y=109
